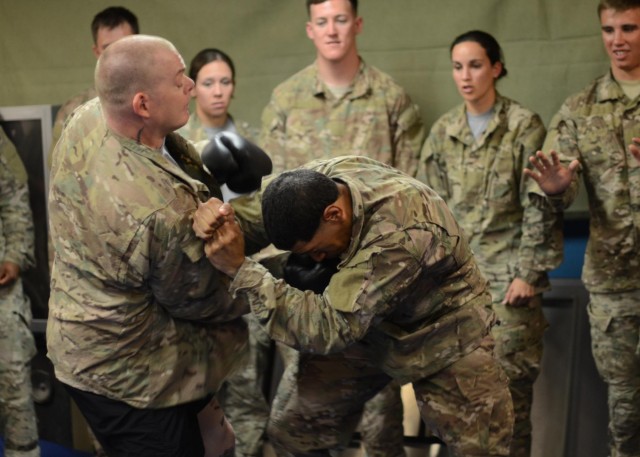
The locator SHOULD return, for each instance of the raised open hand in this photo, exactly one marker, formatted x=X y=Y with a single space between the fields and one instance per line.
x=552 y=177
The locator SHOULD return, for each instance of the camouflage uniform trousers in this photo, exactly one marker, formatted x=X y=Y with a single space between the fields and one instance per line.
x=381 y=426
x=518 y=336
x=242 y=395
x=615 y=343
x=467 y=404
x=17 y=411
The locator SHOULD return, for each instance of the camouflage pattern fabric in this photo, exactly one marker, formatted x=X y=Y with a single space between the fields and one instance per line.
x=615 y=343
x=62 y=115
x=471 y=402
x=595 y=126
x=65 y=112
x=17 y=345
x=241 y=396
x=376 y=118
x=137 y=313
x=195 y=132
x=381 y=425
x=483 y=184
x=407 y=287
x=322 y=399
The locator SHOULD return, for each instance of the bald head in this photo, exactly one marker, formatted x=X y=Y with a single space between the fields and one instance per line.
x=128 y=66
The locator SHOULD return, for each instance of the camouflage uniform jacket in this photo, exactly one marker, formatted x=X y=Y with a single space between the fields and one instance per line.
x=195 y=132
x=137 y=313
x=304 y=121
x=595 y=126
x=63 y=114
x=483 y=184
x=16 y=223
x=407 y=286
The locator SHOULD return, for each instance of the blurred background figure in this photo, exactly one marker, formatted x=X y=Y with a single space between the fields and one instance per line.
x=474 y=157
x=107 y=26
x=17 y=345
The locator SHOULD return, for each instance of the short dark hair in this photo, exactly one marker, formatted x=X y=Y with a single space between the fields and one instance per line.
x=209 y=55
x=354 y=5
x=112 y=17
x=488 y=43
x=293 y=205
x=617 y=5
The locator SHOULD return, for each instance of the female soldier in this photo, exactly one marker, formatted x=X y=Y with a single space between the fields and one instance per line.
x=241 y=397
x=214 y=75
x=474 y=157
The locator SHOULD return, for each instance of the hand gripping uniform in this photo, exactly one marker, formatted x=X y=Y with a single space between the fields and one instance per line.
x=483 y=184
x=17 y=345
x=407 y=303
x=595 y=126
x=137 y=313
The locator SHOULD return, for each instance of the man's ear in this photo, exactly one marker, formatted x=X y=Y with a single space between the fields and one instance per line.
x=309 y=30
x=332 y=213
x=140 y=105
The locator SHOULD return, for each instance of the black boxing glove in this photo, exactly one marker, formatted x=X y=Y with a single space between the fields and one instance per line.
x=236 y=162
x=304 y=273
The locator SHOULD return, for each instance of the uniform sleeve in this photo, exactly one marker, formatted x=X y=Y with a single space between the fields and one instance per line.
x=562 y=138
x=359 y=296
x=16 y=222
x=248 y=212
x=182 y=279
x=409 y=135
x=432 y=168
x=541 y=244
x=273 y=133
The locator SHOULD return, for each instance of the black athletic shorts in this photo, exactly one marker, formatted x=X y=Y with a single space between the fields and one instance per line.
x=125 y=431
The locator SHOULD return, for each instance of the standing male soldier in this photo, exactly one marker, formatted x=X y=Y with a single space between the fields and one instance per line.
x=107 y=26
x=591 y=132
x=16 y=340
x=340 y=105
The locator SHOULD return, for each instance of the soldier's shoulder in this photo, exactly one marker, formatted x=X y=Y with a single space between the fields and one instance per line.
x=300 y=80
x=383 y=79
x=448 y=118
x=519 y=115
x=74 y=102
x=587 y=96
